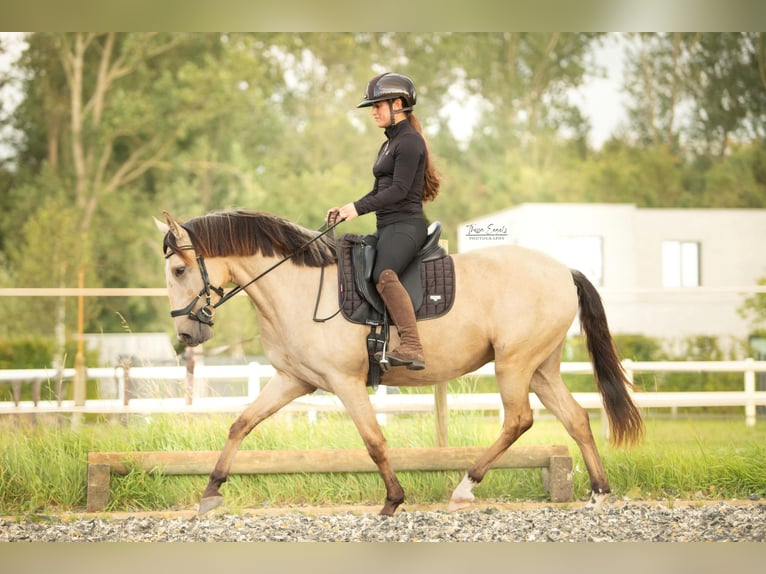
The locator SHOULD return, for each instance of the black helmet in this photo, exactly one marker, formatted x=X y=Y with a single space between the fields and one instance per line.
x=389 y=86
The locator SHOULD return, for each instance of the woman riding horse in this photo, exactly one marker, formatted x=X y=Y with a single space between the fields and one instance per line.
x=404 y=179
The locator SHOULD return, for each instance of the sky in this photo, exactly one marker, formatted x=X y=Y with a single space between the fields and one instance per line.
x=9 y=97
x=601 y=99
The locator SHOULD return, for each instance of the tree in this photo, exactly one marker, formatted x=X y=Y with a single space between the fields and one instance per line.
x=727 y=90
x=119 y=109
x=754 y=308
x=655 y=80
x=698 y=91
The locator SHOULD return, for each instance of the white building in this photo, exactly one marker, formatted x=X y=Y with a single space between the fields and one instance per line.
x=667 y=273
x=142 y=348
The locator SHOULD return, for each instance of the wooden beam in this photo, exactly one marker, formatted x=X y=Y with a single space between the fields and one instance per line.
x=554 y=460
x=346 y=460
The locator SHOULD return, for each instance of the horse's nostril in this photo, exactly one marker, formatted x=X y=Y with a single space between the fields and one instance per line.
x=185 y=338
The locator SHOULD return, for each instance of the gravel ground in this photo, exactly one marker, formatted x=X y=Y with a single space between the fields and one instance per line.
x=630 y=521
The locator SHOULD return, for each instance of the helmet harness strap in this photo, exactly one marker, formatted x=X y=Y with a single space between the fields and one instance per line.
x=393 y=112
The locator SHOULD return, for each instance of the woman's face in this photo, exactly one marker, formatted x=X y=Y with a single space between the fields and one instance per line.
x=381 y=113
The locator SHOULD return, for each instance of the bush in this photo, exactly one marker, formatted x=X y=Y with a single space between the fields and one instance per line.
x=26 y=353
x=39 y=353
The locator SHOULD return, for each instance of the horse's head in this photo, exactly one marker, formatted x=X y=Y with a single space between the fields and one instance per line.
x=191 y=281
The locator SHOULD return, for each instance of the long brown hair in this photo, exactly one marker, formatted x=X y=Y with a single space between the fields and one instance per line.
x=432 y=179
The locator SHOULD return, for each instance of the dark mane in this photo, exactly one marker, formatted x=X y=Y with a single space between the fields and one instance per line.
x=244 y=232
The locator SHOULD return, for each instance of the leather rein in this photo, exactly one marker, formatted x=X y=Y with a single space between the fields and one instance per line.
x=206 y=313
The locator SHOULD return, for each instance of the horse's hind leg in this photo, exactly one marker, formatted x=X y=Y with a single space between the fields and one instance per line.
x=513 y=384
x=279 y=391
x=553 y=393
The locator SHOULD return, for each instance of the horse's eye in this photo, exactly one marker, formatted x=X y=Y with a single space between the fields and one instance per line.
x=178 y=271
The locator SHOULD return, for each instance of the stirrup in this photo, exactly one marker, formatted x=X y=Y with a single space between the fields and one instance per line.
x=381 y=357
x=388 y=361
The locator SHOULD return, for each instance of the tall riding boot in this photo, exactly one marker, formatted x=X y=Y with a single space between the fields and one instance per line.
x=399 y=305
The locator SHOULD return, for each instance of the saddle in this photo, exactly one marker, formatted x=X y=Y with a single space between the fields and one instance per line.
x=429 y=281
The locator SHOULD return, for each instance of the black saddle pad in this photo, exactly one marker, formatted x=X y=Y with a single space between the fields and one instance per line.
x=359 y=300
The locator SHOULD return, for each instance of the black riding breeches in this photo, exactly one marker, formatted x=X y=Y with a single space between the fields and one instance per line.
x=397 y=245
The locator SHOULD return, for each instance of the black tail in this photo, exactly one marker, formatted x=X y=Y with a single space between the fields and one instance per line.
x=624 y=418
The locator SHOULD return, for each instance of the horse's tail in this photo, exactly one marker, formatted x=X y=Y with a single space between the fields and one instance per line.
x=624 y=418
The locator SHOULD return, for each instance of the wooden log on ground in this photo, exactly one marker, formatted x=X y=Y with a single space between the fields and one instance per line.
x=554 y=459
x=346 y=460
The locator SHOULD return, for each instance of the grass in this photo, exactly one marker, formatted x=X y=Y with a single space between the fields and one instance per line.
x=43 y=468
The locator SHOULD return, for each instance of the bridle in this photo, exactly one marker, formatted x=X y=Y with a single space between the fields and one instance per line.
x=206 y=313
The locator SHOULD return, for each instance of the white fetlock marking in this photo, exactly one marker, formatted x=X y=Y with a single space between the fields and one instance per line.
x=463 y=494
x=596 y=501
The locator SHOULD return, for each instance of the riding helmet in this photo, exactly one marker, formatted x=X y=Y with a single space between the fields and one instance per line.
x=389 y=86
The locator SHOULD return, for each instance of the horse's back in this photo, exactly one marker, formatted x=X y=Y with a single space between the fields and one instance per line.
x=515 y=283
x=508 y=300
x=520 y=266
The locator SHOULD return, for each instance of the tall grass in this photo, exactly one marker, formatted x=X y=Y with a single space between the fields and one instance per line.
x=44 y=469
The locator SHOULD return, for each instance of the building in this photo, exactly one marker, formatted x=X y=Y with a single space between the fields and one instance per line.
x=667 y=273
x=140 y=349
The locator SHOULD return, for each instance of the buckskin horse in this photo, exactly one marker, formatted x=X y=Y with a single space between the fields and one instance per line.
x=513 y=306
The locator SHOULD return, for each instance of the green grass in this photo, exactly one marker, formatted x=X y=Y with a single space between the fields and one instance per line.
x=43 y=469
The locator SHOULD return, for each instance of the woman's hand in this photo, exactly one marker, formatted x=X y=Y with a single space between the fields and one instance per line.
x=345 y=213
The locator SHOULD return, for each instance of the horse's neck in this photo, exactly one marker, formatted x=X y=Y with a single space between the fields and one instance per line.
x=285 y=292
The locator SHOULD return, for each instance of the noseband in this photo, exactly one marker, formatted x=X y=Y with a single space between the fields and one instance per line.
x=207 y=311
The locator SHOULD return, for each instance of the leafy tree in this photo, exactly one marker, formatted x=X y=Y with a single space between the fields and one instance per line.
x=698 y=91
x=754 y=308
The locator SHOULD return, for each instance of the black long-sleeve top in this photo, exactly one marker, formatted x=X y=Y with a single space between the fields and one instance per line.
x=399 y=173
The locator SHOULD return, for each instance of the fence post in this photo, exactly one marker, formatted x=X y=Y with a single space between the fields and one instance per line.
x=440 y=404
x=119 y=375
x=382 y=418
x=189 y=377
x=253 y=380
x=750 y=409
x=440 y=395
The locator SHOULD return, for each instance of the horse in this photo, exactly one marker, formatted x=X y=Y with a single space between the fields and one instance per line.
x=513 y=306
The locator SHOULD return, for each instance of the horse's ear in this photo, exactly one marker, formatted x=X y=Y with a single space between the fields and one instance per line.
x=162 y=226
x=173 y=225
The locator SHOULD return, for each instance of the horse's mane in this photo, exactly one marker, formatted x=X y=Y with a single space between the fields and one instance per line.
x=245 y=232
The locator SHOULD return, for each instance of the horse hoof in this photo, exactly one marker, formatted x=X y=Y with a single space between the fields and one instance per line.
x=462 y=496
x=596 y=501
x=455 y=505
x=209 y=503
x=388 y=510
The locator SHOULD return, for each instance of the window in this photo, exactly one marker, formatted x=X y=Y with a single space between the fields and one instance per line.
x=680 y=264
x=583 y=253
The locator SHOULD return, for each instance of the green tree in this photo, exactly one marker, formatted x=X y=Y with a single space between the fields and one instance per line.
x=754 y=308
x=124 y=109
x=655 y=82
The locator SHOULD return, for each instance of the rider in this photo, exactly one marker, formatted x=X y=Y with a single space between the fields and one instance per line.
x=404 y=179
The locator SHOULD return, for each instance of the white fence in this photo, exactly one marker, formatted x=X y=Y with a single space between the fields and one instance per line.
x=384 y=403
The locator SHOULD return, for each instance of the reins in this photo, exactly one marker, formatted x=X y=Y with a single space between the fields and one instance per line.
x=207 y=311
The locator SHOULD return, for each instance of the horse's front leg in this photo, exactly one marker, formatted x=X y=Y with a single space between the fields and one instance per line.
x=353 y=395
x=279 y=391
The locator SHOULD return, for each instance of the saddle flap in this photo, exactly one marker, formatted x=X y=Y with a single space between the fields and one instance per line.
x=429 y=279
